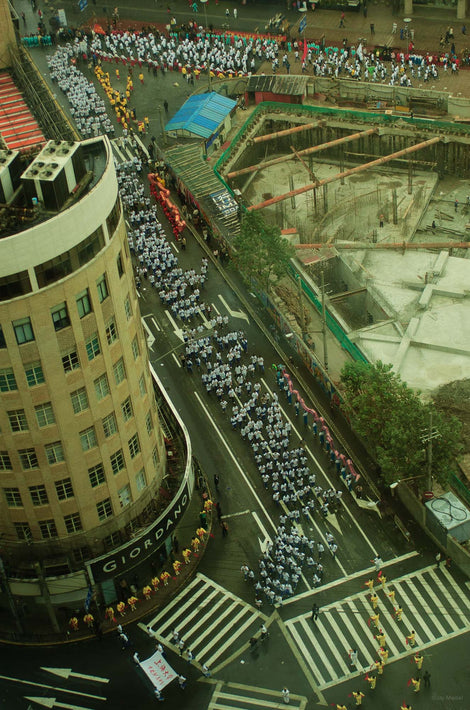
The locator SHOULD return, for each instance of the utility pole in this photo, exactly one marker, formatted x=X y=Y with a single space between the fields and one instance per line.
x=427 y=438
x=323 y=312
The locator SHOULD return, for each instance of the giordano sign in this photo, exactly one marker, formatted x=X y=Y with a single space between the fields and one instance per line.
x=119 y=560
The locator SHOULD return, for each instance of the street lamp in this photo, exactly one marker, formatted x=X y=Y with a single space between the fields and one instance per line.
x=204 y=2
x=402 y=480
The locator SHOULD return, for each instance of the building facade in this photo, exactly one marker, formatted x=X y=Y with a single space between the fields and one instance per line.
x=82 y=454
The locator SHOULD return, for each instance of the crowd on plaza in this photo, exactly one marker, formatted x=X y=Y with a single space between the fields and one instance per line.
x=197 y=51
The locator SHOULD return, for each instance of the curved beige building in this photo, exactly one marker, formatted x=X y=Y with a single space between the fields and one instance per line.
x=82 y=453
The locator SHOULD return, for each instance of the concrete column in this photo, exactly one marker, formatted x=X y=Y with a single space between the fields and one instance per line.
x=461 y=9
x=408 y=10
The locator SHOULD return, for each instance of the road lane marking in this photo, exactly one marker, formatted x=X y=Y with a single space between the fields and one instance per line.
x=229 y=451
x=349 y=577
x=51 y=687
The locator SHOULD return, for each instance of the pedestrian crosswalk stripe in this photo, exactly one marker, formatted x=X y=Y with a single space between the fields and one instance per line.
x=345 y=645
x=303 y=648
x=358 y=644
x=435 y=607
x=457 y=612
x=262 y=702
x=210 y=620
x=348 y=578
x=456 y=588
x=175 y=600
x=417 y=622
x=235 y=696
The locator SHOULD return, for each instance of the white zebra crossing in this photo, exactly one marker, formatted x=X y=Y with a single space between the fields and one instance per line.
x=434 y=605
x=213 y=622
x=123 y=150
x=248 y=697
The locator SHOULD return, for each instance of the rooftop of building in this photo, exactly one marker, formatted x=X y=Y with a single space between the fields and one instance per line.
x=34 y=188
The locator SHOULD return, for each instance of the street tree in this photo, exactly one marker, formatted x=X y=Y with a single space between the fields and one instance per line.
x=394 y=421
x=262 y=253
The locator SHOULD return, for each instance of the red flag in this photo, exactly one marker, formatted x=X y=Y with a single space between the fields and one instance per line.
x=98 y=30
x=304 y=56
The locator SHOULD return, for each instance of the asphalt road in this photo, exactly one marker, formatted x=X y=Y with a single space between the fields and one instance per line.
x=216 y=612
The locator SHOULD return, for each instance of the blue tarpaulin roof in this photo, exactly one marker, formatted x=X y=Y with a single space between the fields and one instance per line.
x=201 y=114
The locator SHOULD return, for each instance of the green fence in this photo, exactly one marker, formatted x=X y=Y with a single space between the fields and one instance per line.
x=460 y=487
x=366 y=117
x=331 y=322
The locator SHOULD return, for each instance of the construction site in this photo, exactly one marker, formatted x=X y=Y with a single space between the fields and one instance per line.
x=377 y=207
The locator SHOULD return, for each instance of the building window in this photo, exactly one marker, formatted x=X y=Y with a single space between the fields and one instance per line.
x=3 y=342
x=88 y=438
x=135 y=348
x=102 y=288
x=124 y=495
x=149 y=423
x=83 y=303
x=70 y=361
x=23 y=330
x=79 y=400
x=140 y=480
x=13 y=497
x=18 y=421
x=109 y=425
x=90 y=246
x=112 y=219
x=120 y=267
x=117 y=461
x=5 y=461
x=60 y=316
x=44 y=414
x=101 y=387
x=142 y=385
x=155 y=458
x=96 y=475
x=14 y=285
x=93 y=346
x=119 y=371
x=111 y=331
x=113 y=540
x=72 y=523
x=47 y=528
x=128 y=307
x=134 y=446
x=7 y=380
x=81 y=554
x=53 y=270
x=64 y=489
x=126 y=408
x=23 y=531
x=54 y=453
x=104 y=509
x=34 y=374
x=39 y=495
x=28 y=459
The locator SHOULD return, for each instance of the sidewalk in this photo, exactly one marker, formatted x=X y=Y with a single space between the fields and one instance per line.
x=36 y=621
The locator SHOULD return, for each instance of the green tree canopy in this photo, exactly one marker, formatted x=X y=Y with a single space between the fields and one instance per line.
x=393 y=420
x=262 y=252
